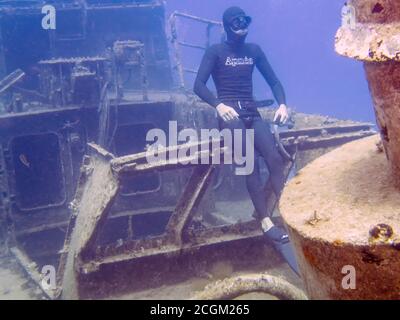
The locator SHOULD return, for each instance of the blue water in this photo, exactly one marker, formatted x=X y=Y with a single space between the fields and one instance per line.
x=298 y=38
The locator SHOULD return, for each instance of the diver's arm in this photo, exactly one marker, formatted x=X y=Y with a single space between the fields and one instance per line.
x=269 y=75
x=276 y=86
x=200 y=85
x=207 y=65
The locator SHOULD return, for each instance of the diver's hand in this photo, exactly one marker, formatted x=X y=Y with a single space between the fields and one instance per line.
x=282 y=114
x=227 y=113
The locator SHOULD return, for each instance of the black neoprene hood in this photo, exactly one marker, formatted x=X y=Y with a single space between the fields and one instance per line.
x=230 y=14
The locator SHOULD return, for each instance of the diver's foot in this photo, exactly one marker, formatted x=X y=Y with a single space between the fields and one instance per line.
x=280 y=240
x=277 y=234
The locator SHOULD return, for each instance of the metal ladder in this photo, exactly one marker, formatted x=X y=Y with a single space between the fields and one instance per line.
x=177 y=42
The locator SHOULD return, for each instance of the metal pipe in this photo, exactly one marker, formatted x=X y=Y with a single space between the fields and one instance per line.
x=232 y=288
x=191 y=17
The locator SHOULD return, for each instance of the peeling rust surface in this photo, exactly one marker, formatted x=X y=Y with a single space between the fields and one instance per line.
x=372 y=43
x=376 y=34
x=384 y=83
x=376 y=11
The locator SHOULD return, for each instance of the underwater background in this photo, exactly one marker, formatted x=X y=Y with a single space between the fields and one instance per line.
x=298 y=38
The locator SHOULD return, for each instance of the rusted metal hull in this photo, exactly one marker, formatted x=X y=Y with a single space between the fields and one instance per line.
x=95 y=198
x=375 y=39
x=84 y=260
x=82 y=272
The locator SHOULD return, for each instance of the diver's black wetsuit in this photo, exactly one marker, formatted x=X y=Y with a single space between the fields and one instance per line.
x=231 y=65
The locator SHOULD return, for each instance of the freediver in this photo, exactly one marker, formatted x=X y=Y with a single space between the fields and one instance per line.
x=231 y=65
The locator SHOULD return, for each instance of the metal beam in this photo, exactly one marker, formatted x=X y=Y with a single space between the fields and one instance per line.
x=118 y=164
x=189 y=201
x=143 y=248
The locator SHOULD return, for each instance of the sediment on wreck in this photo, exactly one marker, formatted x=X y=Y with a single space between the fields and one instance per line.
x=343 y=220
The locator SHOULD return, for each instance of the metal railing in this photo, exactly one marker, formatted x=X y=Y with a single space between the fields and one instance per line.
x=178 y=43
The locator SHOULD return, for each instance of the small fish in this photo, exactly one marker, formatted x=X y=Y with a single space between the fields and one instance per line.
x=24 y=160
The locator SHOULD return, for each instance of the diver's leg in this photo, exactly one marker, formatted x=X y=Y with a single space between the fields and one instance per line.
x=233 y=125
x=254 y=183
x=265 y=145
x=255 y=188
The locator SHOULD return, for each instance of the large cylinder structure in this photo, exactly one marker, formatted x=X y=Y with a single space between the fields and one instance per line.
x=374 y=38
x=343 y=209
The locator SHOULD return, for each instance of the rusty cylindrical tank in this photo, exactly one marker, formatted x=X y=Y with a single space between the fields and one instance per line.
x=342 y=210
x=375 y=39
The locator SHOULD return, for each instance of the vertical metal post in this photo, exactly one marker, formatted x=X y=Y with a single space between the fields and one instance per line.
x=208 y=35
x=178 y=58
x=143 y=73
